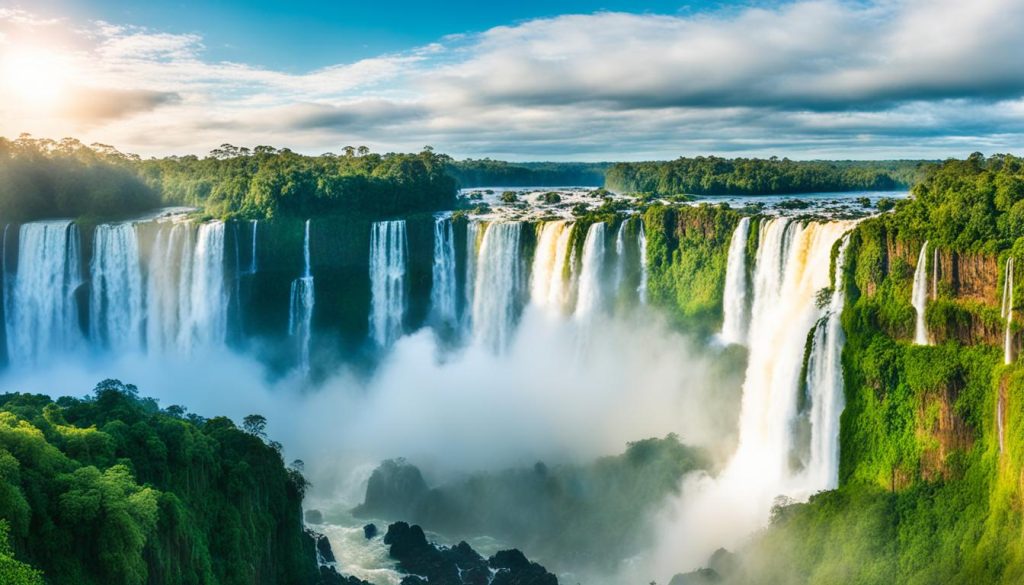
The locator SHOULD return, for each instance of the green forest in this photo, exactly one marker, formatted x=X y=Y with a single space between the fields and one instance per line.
x=711 y=175
x=112 y=489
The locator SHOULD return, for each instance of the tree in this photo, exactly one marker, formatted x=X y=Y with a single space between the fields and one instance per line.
x=255 y=425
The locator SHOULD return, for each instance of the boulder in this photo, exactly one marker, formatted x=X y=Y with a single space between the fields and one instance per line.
x=370 y=531
x=394 y=490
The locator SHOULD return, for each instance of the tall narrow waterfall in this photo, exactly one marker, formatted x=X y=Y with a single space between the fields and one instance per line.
x=300 y=310
x=473 y=237
x=43 y=319
x=115 y=302
x=792 y=266
x=444 y=299
x=206 y=322
x=550 y=283
x=734 y=306
x=499 y=285
x=591 y=297
x=825 y=385
x=388 y=250
x=1008 y=312
x=919 y=296
x=252 y=254
x=642 y=239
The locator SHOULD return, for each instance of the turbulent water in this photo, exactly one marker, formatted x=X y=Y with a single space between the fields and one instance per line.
x=919 y=297
x=388 y=264
x=734 y=304
x=300 y=309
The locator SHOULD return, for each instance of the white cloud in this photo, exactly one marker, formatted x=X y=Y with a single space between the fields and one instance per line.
x=818 y=78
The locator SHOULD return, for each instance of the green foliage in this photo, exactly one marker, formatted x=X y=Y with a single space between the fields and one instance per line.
x=973 y=204
x=488 y=173
x=266 y=182
x=112 y=490
x=719 y=176
x=46 y=179
x=687 y=253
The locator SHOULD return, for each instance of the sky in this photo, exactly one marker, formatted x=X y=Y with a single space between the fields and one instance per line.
x=525 y=80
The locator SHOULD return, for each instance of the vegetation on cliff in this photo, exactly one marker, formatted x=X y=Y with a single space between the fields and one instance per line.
x=712 y=175
x=111 y=489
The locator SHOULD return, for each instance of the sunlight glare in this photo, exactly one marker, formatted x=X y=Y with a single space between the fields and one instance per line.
x=36 y=77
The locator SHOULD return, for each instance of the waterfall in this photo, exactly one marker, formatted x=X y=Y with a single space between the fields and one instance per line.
x=205 y=321
x=620 y=255
x=169 y=271
x=935 y=273
x=388 y=250
x=115 y=301
x=443 y=292
x=642 y=240
x=473 y=236
x=550 y=281
x=591 y=297
x=1007 y=312
x=498 y=286
x=300 y=309
x=825 y=385
x=792 y=265
x=44 y=311
x=734 y=302
x=252 y=256
x=919 y=296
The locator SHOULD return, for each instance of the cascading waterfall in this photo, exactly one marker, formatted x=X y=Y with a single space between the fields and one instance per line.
x=591 y=297
x=498 y=286
x=734 y=305
x=300 y=310
x=825 y=385
x=473 y=236
x=43 y=316
x=1007 y=311
x=252 y=255
x=443 y=291
x=642 y=240
x=919 y=297
x=550 y=279
x=205 y=322
x=167 y=283
x=388 y=251
x=115 y=302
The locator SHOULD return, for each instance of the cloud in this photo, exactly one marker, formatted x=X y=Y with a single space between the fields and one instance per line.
x=877 y=78
x=98 y=105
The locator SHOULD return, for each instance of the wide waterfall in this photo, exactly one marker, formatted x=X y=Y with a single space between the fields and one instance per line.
x=388 y=252
x=734 y=305
x=186 y=298
x=116 y=295
x=498 y=289
x=444 y=300
x=300 y=309
x=550 y=275
x=591 y=297
x=43 y=316
x=1007 y=312
x=919 y=297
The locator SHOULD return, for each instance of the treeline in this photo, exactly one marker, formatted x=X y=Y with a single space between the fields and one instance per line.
x=752 y=176
x=111 y=490
x=495 y=173
x=265 y=182
x=971 y=204
x=42 y=178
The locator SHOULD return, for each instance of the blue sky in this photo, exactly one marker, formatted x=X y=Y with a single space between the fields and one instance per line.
x=303 y=35
x=529 y=80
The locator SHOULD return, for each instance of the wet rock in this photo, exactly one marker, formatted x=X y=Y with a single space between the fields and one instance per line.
x=370 y=531
x=394 y=490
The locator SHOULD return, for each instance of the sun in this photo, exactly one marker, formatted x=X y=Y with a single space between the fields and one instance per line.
x=36 y=77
